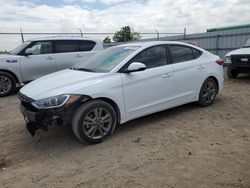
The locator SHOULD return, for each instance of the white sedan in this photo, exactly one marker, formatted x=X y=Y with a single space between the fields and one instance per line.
x=119 y=84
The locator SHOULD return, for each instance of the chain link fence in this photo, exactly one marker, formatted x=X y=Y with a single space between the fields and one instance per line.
x=9 y=40
x=217 y=42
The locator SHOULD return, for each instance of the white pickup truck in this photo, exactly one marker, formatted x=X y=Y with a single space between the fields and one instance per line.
x=238 y=61
x=35 y=58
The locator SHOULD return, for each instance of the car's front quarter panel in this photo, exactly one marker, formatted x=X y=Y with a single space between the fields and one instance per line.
x=94 y=85
x=111 y=88
x=11 y=63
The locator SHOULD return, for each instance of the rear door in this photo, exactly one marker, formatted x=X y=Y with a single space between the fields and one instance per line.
x=86 y=49
x=188 y=70
x=66 y=53
x=150 y=90
x=40 y=63
x=70 y=52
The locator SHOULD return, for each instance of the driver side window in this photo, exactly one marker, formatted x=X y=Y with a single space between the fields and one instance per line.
x=43 y=47
x=152 y=57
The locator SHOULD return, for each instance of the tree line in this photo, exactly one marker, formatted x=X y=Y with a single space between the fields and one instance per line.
x=125 y=34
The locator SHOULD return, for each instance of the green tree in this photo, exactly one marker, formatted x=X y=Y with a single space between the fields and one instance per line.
x=126 y=34
x=4 y=52
x=107 y=40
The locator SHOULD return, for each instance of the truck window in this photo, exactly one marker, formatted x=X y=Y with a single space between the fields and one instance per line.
x=41 y=47
x=86 y=45
x=247 y=44
x=65 y=46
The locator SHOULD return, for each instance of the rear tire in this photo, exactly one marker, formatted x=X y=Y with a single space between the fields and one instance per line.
x=232 y=73
x=208 y=92
x=7 y=84
x=94 y=121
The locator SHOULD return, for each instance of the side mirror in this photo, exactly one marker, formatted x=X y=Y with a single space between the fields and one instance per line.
x=135 y=67
x=28 y=52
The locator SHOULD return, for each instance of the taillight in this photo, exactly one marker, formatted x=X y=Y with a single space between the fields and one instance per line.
x=219 y=61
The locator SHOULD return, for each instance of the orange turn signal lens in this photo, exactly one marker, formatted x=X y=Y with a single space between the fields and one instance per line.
x=72 y=99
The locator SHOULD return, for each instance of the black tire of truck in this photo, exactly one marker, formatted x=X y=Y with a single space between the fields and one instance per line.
x=232 y=74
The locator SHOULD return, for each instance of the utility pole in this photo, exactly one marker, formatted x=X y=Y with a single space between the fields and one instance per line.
x=81 y=32
x=185 y=33
x=157 y=33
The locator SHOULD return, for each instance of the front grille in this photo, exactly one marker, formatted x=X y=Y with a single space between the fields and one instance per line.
x=26 y=102
x=240 y=59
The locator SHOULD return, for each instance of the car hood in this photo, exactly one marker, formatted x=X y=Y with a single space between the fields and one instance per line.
x=62 y=82
x=6 y=58
x=239 y=51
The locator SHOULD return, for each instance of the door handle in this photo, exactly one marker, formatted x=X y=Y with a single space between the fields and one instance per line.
x=78 y=55
x=167 y=75
x=201 y=67
x=49 y=58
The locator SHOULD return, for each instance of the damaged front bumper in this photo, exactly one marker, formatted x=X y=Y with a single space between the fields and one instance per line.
x=33 y=120
x=43 y=118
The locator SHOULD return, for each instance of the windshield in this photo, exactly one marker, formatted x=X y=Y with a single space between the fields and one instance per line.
x=107 y=59
x=247 y=43
x=19 y=48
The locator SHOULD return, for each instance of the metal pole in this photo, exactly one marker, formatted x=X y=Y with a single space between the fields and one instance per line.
x=81 y=32
x=185 y=33
x=22 y=34
x=157 y=33
x=217 y=44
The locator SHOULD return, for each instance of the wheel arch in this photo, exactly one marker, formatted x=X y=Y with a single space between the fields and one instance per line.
x=10 y=72
x=216 y=81
x=113 y=104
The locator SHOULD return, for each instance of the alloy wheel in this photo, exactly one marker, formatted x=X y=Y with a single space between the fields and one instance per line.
x=5 y=84
x=97 y=123
x=209 y=92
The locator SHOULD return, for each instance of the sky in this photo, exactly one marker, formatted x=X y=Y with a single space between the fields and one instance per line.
x=110 y=15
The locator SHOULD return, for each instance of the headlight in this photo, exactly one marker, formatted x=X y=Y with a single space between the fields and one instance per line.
x=228 y=60
x=54 y=102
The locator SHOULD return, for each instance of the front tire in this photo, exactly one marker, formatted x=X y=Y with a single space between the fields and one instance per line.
x=94 y=121
x=208 y=92
x=232 y=73
x=7 y=84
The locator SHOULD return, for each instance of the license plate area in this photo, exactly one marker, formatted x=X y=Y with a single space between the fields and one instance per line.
x=30 y=116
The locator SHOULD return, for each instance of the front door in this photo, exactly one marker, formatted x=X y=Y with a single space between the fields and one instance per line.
x=150 y=90
x=41 y=62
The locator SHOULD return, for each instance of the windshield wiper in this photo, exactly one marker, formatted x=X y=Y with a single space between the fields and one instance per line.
x=82 y=69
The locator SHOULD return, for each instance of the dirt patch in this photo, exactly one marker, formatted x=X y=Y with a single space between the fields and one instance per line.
x=187 y=146
x=3 y=162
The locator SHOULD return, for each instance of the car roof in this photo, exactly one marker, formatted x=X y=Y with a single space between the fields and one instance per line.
x=153 y=43
x=64 y=38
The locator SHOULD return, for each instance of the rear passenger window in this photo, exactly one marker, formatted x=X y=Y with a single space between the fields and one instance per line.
x=183 y=53
x=66 y=46
x=152 y=57
x=196 y=53
x=86 y=45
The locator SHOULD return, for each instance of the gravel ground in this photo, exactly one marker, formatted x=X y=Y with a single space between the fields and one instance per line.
x=187 y=146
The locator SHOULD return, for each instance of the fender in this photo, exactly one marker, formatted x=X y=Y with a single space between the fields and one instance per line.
x=17 y=77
